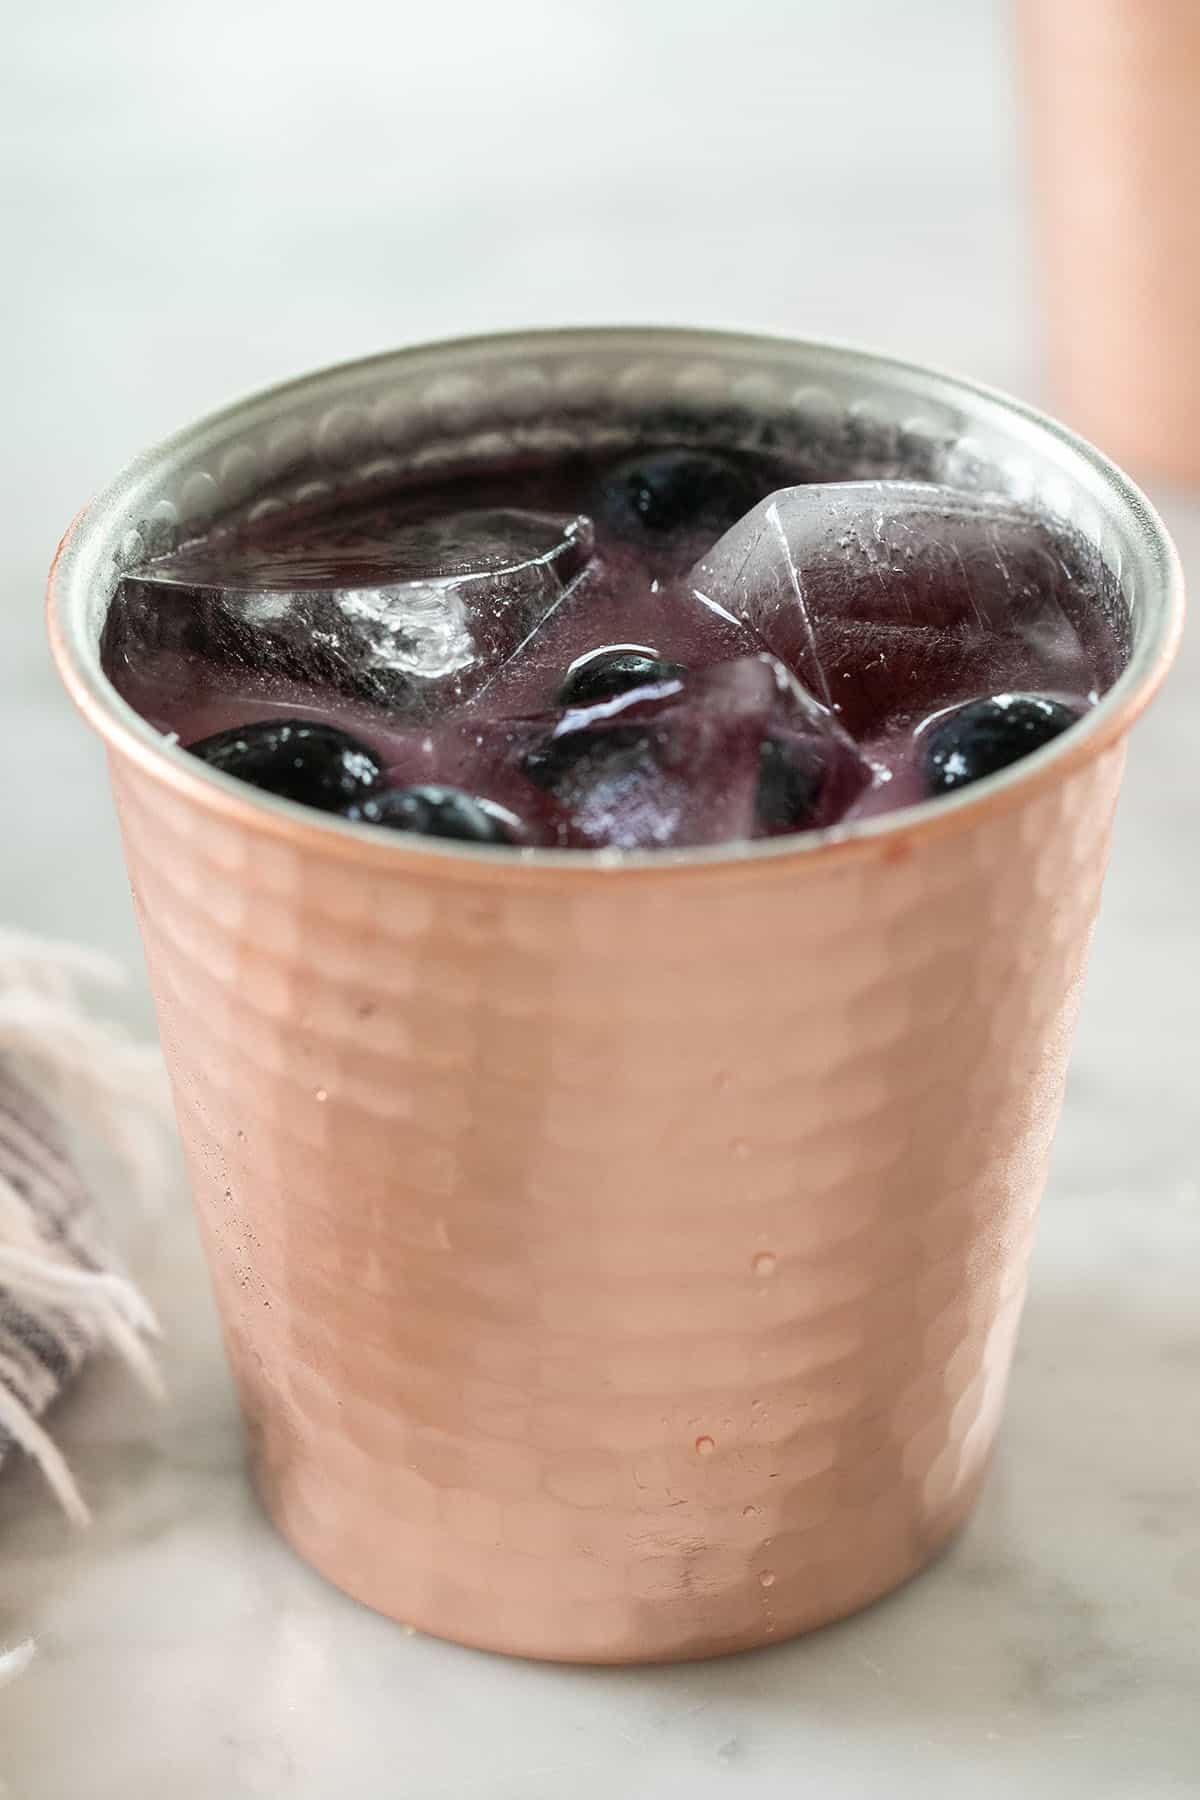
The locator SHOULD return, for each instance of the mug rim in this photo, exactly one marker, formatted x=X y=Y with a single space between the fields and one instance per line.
x=126 y=733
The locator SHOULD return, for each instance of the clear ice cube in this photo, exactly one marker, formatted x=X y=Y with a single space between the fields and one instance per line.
x=732 y=752
x=416 y=615
x=891 y=599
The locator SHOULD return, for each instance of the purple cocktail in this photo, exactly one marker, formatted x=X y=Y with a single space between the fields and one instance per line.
x=682 y=646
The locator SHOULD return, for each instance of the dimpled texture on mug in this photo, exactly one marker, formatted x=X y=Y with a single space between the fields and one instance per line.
x=613 y=1266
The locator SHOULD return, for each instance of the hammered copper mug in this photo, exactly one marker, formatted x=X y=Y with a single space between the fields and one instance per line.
x=1113 y=111
x=618 y=1259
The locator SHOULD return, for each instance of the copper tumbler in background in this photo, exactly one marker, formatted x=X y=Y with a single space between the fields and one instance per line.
x=1113 y=103
x=619 y=1258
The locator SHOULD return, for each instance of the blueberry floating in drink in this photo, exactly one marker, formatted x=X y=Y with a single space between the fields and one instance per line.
x=791 y=781
x=610 y=672
x=440 y=812
x=316 y=765
x=664 y=491
x=985 y=736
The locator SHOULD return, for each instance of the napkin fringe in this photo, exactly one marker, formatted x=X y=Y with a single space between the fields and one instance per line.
x=95 y=1076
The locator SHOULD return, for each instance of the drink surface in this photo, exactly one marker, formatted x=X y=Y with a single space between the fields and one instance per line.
x=672 y=647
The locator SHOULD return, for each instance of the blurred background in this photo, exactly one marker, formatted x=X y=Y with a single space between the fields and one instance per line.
x=200 y=203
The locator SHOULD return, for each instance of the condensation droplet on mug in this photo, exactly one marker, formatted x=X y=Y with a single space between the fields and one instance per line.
x=705 y=1446
x=750 y=1512
x=767 y=1578
x=321 y=1094
x=765 y=1264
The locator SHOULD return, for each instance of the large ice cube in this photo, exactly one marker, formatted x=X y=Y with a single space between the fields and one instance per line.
x=415 y=616
x=735 y=751
x=890 y=599
x=615 y=605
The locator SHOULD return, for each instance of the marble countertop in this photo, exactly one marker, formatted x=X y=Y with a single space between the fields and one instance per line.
x=188 y=229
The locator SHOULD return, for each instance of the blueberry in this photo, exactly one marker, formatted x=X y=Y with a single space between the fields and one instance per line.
x=568 y=766
x=677 y=490
x=443 y=812
x=318 y=765
x=614 y=672
x=986 y=735
x=790 y=783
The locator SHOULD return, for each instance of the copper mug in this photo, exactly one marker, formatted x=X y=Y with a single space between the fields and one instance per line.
x=618 y=1260
x=1113 y=103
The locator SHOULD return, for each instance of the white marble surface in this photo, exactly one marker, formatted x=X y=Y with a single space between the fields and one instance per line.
x=199 y=208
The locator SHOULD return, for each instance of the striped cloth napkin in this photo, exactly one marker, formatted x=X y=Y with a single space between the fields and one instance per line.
x=68 y=1081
